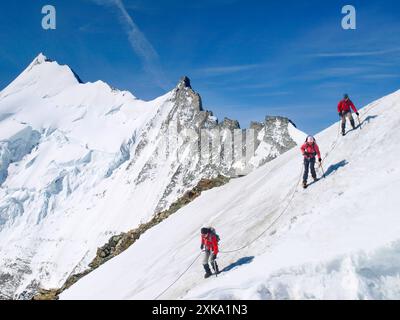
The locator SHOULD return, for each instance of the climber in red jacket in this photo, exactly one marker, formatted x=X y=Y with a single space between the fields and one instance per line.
x=310 y=150
x=209 y=243
x=344 y=109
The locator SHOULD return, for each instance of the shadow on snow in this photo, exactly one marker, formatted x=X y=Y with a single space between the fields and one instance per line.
x=335 y=167
x=240 y=262
x=368 y=119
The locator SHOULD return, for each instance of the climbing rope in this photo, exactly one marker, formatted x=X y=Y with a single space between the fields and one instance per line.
x=274 y=221
x=334 y=144
x=181 y=275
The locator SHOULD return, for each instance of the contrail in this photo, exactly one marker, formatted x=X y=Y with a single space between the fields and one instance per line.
x=139 y=43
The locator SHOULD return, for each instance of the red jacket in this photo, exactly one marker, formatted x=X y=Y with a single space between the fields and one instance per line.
x=310 y=150
x=345 y=105
x=210 y=242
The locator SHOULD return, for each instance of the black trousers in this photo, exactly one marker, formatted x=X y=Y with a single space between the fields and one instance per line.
x=309 y=163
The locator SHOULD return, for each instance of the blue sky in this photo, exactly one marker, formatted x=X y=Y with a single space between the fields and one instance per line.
x=247 y=59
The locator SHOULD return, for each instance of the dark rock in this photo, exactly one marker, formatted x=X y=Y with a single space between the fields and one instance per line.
x=257 y=126
x=185 y=82
x=230 y=124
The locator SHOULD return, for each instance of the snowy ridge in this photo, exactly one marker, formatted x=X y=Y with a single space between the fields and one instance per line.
x=338 y=240
x=80 y=162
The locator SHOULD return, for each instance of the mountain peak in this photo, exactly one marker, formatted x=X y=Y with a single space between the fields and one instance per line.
x=184 y=82
x=40 y=59
x=185 y=95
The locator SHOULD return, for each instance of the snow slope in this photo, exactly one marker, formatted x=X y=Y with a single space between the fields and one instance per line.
x=339 y=239
x=80 y=162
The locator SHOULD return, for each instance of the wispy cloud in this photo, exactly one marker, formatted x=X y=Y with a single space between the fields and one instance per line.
x=355 y=53
x=264 y=85
x=335 y=72
x=380 y=76
x=223 y=70
x=269 y=94
x=138 y=41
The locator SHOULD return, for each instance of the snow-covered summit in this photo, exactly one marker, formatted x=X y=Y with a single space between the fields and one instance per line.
x=43 y=74
x=41 y=58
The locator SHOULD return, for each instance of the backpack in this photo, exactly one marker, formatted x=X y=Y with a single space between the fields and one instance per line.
x=213 y=232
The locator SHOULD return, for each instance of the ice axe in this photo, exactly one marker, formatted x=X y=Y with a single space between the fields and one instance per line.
x=323 y=172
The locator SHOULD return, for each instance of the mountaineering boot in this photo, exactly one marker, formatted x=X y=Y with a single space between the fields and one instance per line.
x=353 y=124
x=215 y=267
x=315 y=179
x=304 y=184
x=208 y=271
x=343 y=130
